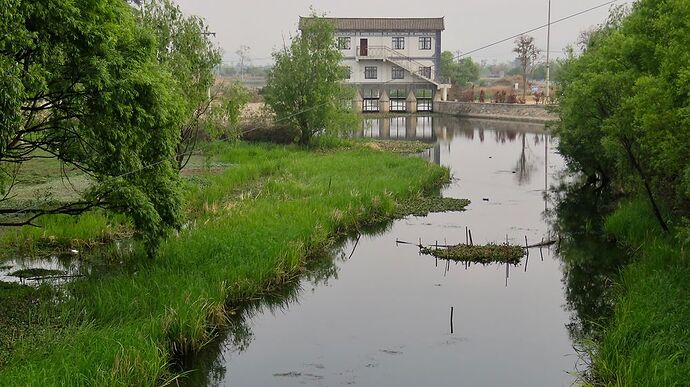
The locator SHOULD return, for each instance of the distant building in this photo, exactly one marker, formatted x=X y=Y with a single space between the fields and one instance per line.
x=394 y=62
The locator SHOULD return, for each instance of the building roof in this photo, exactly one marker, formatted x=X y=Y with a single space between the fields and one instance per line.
x=382 y=24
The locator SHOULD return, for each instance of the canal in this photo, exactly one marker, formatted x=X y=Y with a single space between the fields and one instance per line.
x=377 y=313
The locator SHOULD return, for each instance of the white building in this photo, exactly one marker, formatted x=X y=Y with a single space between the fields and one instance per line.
x=394 y=62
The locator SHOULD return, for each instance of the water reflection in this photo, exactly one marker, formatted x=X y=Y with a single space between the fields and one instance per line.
x=441 y=131
x=377 y=314
x=590 y=260
x=212 y=366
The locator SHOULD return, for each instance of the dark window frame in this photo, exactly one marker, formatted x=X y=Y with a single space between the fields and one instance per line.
x=398 y=105
x=425 y=105
x=370 y=105
x=398 y=42
x=371 y=72
x=397 y=72
x=425 y=43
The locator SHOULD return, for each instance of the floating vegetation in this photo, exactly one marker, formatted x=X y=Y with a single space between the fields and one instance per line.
x=422 y=206
x=34 y=273
x=478 y=254
x=399 y=146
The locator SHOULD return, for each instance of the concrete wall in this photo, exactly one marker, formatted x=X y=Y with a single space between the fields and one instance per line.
x=514 y=112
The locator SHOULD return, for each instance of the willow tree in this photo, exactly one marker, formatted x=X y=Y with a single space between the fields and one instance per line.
x=81 y=83
x=184 y=48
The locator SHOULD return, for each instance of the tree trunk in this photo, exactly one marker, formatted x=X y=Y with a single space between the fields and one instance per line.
x=524 y=84
x=657 y=213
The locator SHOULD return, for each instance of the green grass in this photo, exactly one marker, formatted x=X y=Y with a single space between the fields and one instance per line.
x=647 y=342
x=251 y=230
x=423 y=205
x=485 y=254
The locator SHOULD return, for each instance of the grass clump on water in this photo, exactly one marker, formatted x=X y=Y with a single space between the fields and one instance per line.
x=126 y=325
x=479 y=254
x=398 y=146
x=424 y=205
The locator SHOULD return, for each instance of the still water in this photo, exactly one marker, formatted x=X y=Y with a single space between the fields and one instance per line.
x=378 y=313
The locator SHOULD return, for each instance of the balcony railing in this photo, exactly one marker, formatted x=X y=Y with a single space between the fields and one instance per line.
x=399 y=59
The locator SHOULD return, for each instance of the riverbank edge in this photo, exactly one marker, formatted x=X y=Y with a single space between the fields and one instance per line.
x=537 y=114
x=647 y=341
x=144 y=358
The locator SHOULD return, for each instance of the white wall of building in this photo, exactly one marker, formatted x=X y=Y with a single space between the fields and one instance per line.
x=384 y=71
x=378 y=39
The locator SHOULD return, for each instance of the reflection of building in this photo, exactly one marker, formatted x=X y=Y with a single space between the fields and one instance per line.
x=420 y=128
x=394 y=62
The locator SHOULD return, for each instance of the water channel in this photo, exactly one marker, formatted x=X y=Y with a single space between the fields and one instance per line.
x=378 y=314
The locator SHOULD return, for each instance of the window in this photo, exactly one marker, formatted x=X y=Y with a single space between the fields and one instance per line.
x=398 y=73
x=425 y=105
x=371 y=93
x=370 y=105
x=398 y=43
x=371 y=72
x=344 y=43
x=398 y=105
x=424 y=93
x=425 y=72
x=398 y=94
x=425 y=43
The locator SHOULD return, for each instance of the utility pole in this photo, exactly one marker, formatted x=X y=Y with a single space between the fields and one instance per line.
x=548 y=53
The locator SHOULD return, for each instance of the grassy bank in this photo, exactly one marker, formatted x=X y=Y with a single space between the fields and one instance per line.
x=250 y=229
x=647 y=343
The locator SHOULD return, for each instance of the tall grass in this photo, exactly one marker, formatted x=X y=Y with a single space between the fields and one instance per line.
x=255 y=225
x=647 y=343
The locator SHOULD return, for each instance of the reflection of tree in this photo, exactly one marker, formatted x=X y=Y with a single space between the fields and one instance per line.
x=210 y=365
x=525 y=167
x=589 y=261
x=505 y=135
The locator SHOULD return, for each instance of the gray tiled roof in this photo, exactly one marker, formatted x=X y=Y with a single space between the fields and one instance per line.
x=383 y=24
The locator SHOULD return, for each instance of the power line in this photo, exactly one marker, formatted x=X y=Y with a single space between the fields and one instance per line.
x=537 y=28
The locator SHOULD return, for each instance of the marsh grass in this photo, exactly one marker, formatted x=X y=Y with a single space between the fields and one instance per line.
x=484 y=254
x=126 y=324
x=425 y=204
x=647 y=342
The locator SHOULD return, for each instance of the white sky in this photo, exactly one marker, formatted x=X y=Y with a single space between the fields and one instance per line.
x=262 y=24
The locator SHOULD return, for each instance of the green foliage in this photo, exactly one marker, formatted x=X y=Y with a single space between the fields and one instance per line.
x=183 y=48
x=647 y=341
x=222 y=118
x=123 y=329
x=81 y=81
x=624 y=104
x=459 y=72
x=305 y=87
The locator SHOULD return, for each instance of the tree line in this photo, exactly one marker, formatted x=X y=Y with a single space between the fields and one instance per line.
x=625 y=106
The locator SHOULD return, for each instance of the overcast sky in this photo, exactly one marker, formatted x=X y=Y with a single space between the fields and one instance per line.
x=262 y=24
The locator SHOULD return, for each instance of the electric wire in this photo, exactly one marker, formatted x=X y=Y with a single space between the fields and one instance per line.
x=536 y=28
